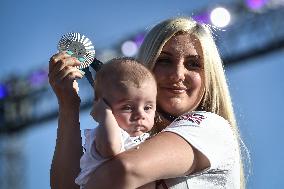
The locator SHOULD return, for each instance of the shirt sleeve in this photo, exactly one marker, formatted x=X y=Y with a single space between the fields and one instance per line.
x=209 y=133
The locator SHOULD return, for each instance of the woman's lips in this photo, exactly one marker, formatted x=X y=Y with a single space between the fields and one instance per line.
x=175 y=90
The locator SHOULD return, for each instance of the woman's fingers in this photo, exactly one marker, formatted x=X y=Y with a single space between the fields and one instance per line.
x=68 y=72
x=62 y=65
x=60 y=60
x=55 y=58
x=62 y=77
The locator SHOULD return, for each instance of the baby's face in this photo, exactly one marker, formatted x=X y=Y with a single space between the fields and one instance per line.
x=134 y=108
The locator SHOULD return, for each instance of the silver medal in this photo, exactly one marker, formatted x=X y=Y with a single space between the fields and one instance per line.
x=81 y=47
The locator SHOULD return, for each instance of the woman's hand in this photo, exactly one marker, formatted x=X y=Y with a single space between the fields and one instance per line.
x=62 y=75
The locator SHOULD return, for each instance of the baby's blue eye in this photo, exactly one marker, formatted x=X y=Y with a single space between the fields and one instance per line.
x=127 y=108
x=148 y=107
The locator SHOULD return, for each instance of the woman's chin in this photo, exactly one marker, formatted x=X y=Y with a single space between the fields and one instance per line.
x=177 y=106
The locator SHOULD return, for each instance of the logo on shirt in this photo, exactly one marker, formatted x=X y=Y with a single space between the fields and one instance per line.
x=141 y=138
x=192 y=117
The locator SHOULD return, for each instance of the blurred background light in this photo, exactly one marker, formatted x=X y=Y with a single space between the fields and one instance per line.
x=129 y=48
x=203 y=17
x=138 y=39
x=38 y=78
x=255 y=4
x=220 y=17
x=3 y=91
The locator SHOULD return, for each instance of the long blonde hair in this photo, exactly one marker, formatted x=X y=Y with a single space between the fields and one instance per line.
x=216 y=97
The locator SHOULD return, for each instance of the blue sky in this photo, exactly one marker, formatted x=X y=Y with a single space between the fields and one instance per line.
x=31 y=29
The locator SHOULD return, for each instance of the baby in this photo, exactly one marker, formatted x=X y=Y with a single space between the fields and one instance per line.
x=124 y=107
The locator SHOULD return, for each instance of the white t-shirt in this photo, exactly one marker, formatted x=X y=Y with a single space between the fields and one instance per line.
x=213 y=136
x=91 y=159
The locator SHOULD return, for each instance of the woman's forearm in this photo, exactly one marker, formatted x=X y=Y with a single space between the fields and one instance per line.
x=112 y=174
x=65 y=165
x=166 y=155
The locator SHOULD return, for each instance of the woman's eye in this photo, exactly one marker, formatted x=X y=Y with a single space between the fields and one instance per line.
x=193 y=63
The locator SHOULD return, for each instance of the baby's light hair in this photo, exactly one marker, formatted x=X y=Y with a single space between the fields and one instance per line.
x=122 y=71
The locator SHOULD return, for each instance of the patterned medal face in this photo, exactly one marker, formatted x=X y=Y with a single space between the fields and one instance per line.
x=80 y=46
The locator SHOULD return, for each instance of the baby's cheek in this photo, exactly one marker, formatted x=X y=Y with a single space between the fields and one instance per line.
x=151 y=119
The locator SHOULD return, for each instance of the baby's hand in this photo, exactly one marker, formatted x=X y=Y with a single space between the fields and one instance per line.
x=100 y=110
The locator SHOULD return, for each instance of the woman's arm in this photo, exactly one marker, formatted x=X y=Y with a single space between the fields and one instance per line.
x=65 y=165
x=66 y=160
x=108 y=136
x=166 y=155
x=151 y=185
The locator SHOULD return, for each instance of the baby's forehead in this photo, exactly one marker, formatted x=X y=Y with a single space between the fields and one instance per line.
x=126 y=84
x=133 y=94
x=124 y=87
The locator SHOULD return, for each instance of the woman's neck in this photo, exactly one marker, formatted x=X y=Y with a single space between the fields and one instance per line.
x=170 y=118
x=162 y=120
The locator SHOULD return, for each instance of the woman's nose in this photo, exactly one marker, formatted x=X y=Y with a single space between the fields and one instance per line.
x=177 y=73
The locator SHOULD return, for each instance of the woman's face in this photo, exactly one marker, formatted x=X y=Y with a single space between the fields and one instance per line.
x=179 y=73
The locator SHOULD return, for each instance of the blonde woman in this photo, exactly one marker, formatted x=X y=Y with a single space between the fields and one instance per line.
x=195 y=143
